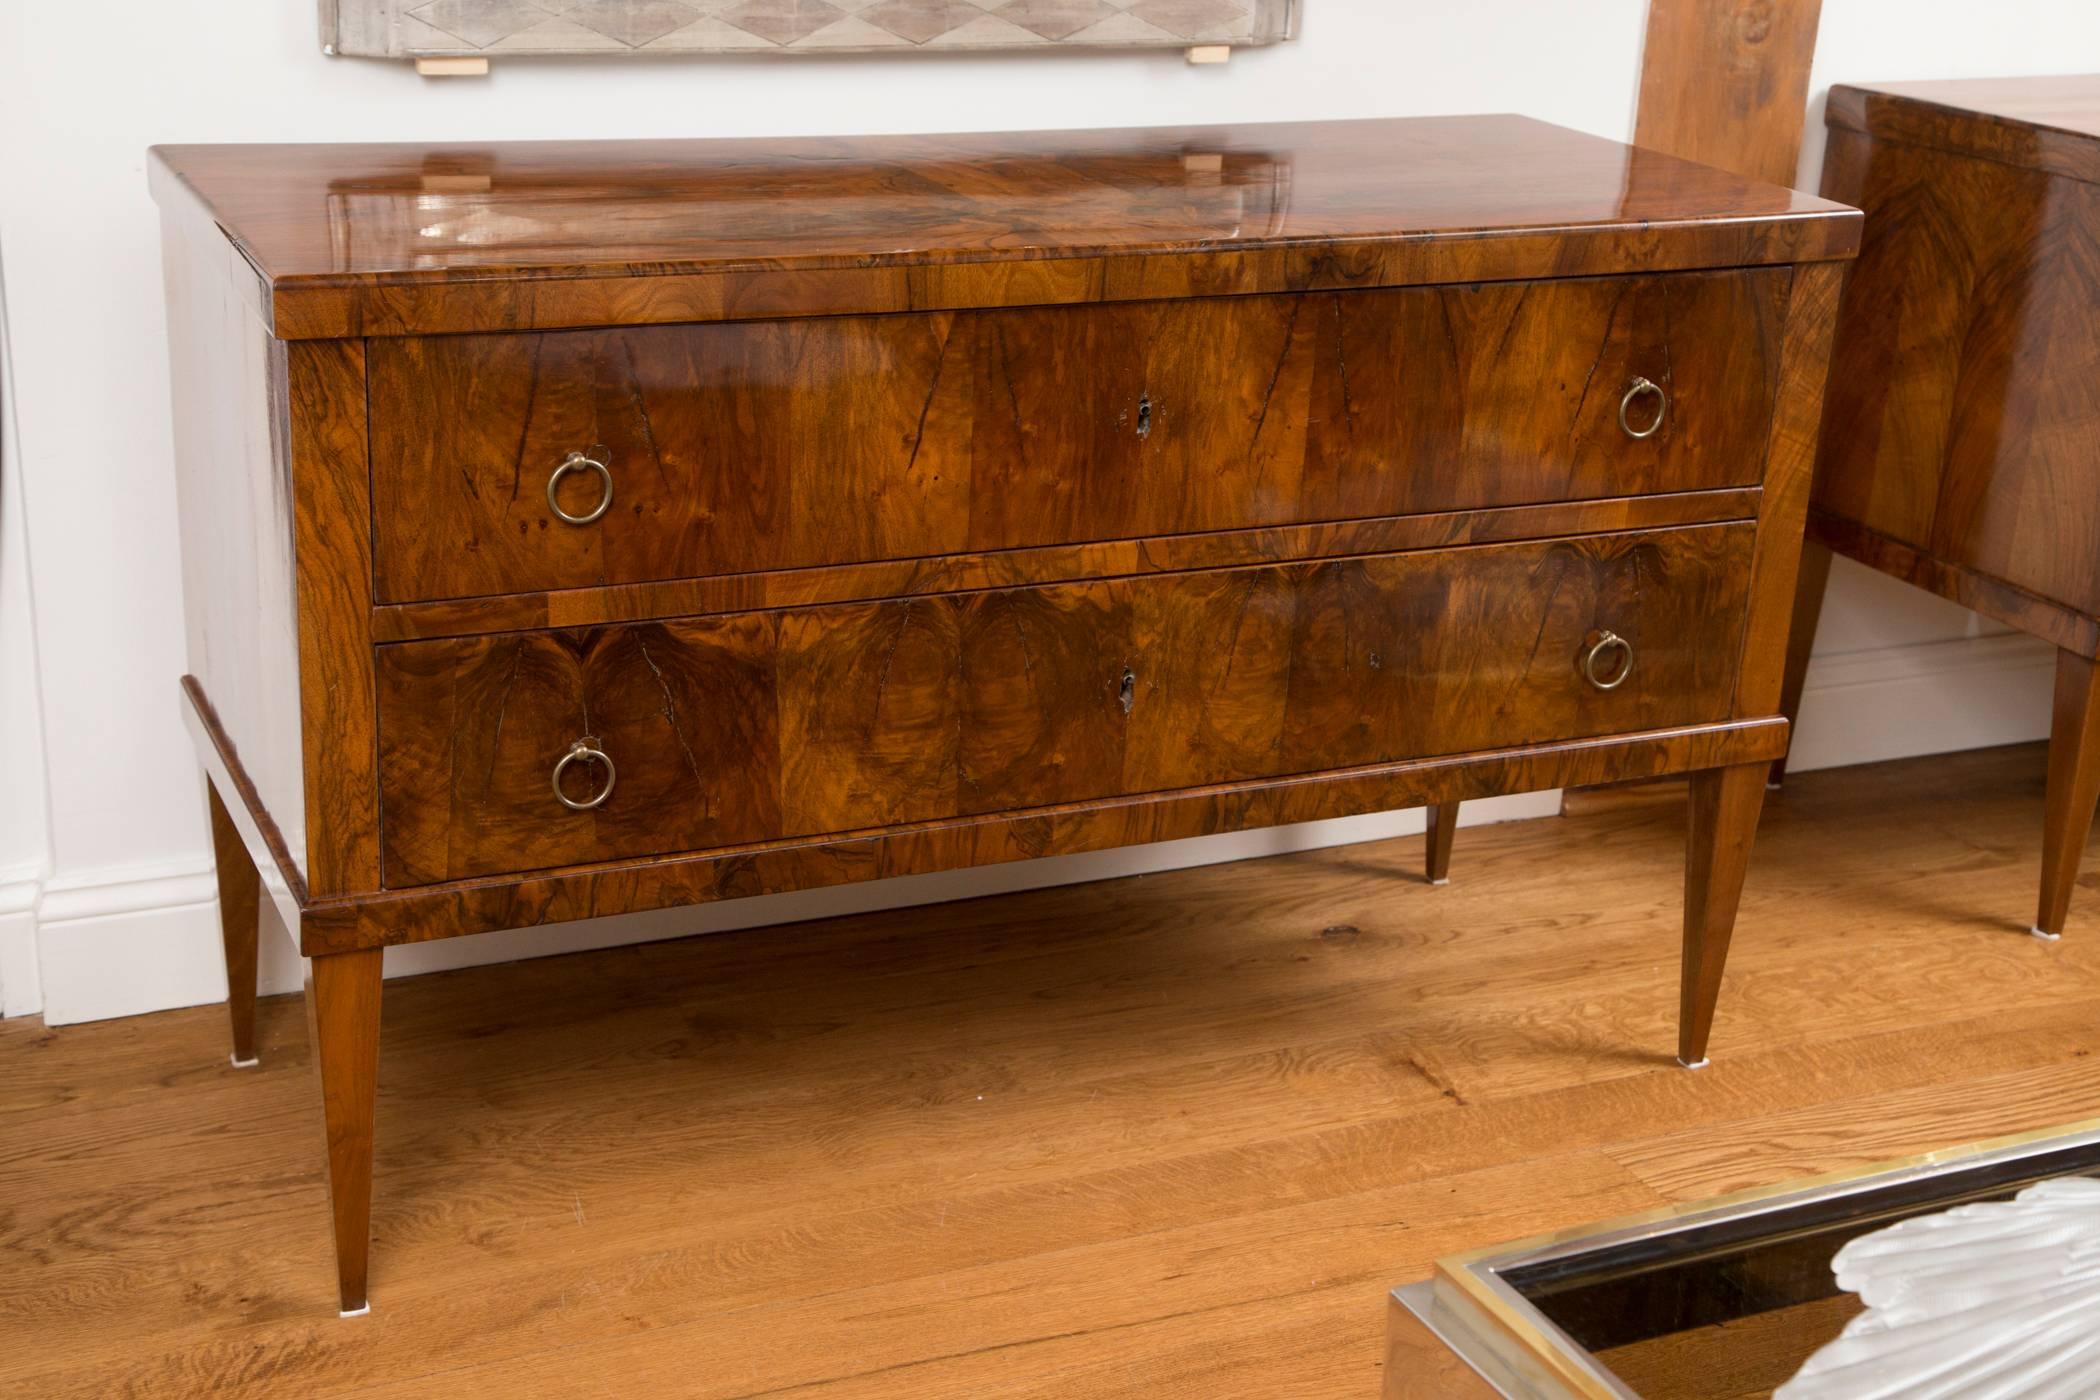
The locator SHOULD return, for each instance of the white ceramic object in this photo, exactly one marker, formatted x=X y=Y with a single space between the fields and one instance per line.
x=1999 y=1300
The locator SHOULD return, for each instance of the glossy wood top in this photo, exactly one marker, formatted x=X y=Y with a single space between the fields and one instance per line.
x=2048 y=123
x=326 y=228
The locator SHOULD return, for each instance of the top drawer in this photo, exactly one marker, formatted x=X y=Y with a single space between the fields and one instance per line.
x=730 y=448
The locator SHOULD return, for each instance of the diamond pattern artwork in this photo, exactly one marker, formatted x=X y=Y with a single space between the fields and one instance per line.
x=921 y=20
x=782 y=23
x=479 y=23
x=1055 y=19
x=1192 y=19
x=464 y=28
x=632 y=22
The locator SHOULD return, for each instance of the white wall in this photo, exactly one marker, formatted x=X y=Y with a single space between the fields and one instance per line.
x=121 y=894
x=25 y=850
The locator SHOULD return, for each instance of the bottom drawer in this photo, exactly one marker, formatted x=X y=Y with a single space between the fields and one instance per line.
x=746 y=727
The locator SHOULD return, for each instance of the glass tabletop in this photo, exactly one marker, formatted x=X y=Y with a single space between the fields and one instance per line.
x=1726 y=1299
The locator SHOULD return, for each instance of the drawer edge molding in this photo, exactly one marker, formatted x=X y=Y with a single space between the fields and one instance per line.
x=321 y=308
x=634 y=886
x=899 y=578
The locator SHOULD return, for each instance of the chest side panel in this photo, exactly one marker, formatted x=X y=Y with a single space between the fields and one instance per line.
x=1964 y=396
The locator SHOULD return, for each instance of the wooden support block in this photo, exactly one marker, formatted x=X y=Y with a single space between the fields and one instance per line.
x=1210 y=53
x=452 y=67
x=1725 y=82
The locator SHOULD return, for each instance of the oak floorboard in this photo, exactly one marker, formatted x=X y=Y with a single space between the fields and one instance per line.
x=1145 y=1277
x=1221 y=1111
x=1850 y=1134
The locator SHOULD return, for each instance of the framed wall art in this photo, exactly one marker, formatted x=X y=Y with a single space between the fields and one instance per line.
x=474 y=31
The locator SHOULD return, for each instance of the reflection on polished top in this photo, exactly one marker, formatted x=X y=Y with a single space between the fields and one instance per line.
x=334 y=219
x=2048 y=124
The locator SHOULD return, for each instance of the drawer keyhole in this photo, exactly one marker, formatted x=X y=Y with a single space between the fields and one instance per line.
x=1144 y=423
x=1127 y=695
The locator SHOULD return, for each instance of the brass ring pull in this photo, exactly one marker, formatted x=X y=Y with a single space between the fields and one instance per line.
x=586 y=751
x=1607 y=642
x=1634 y=390
x=579 y=462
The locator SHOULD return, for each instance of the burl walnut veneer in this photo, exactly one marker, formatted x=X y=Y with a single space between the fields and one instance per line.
x=1961 y=449
x=573 y=530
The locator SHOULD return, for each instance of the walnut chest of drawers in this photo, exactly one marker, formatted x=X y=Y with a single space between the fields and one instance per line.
x=1961 y=452
x=579 y=529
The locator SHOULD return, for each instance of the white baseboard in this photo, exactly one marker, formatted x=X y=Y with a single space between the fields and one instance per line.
x=21 y=985
x=118 y=943
x=121 y=946
x=122 y=942
x=1933 y=697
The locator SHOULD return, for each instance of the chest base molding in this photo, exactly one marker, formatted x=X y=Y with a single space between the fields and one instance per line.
x=335 y=925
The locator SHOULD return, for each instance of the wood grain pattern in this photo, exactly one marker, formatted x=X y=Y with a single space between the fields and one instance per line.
x=240 y=891
x=2063 y=627
x=1790 y=456
x=1967 y=364
x=2050 y=124
x=331 y=498
x=795 y=444
x=591 y=891
x=1958 y=445
x=1725 y=82
x=2074 y=786
x=390 y=240
x=1724 y=807
x=1221 y=479
x=467 y=307
x=1443 y=829
x=753 y=727
x=342 y=1033
x=951 y=573
x=849 y=1217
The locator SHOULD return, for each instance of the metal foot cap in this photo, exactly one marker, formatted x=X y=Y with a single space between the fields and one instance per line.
x=1694 y=1064
x=1445 y=881
x=2046 y=937
x=356 y=1312
x=250 y=1063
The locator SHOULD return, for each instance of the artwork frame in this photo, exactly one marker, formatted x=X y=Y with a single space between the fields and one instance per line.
x=478 y=30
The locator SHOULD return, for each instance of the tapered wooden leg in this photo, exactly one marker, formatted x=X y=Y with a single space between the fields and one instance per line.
x=239 y=892
x=1809 y=588
x=2074 y=784
x=1443 y=825
x=342 y=1018
x=1724 y=807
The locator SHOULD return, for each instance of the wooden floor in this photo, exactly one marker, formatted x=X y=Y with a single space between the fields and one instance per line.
x=1168 y=1136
